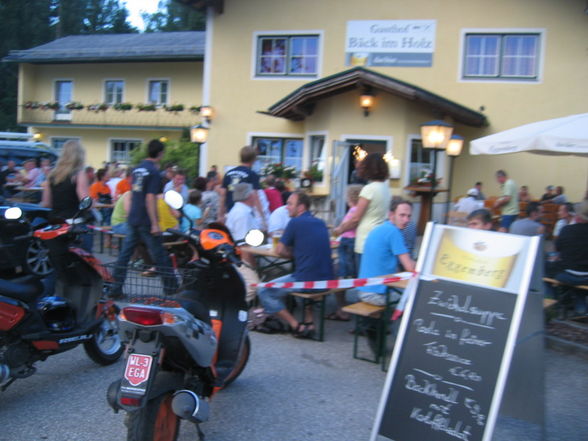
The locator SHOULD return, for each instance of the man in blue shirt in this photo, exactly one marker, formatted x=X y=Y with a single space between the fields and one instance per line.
x=306 y=240
x=383 y=249
x=142 y=221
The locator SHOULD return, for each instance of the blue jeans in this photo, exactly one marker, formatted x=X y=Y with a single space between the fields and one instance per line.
x=507 y=220
x=273 y=299
x=346 y=255
x=579 y=295
x=156 y=250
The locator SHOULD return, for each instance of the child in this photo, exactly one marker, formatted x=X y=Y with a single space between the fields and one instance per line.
x=192 y=211
x=347 y=268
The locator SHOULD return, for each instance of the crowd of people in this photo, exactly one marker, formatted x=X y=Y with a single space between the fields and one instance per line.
x=376 y=236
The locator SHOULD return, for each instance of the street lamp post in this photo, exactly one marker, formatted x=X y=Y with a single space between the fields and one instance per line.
x=435 y=135
x=454 y=147
x=198 y=135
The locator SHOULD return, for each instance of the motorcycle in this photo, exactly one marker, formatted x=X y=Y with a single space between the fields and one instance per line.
x=38 y=321
x=182 y=349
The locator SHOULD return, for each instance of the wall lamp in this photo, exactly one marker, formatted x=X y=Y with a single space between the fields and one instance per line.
x=393 y=165
x=207 y=112
x=366 y=101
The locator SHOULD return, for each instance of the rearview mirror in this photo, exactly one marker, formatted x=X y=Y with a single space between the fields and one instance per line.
x=85 y=203
x=254 y=238
x=173 y=199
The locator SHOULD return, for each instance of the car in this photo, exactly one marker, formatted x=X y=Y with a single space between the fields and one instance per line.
x=19 y=147
x=19 y=250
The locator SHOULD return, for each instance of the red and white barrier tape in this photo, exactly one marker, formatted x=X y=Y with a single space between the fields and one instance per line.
x=336 y=284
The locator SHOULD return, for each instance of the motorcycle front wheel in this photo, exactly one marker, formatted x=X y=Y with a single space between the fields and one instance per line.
x=154 y=422
x=105 y=348
x=241 y=363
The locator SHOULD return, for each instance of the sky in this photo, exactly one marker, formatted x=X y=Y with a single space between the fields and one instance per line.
x=135 y=7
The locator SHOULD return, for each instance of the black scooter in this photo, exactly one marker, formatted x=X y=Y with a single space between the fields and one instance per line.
x=182 y=349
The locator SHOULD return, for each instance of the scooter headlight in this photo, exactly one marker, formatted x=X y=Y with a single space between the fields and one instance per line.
x=13 y=213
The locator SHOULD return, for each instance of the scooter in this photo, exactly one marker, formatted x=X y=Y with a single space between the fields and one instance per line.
x=182 y=349
x=37 y=322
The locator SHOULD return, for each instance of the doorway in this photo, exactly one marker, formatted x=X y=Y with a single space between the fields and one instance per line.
x=362 y=145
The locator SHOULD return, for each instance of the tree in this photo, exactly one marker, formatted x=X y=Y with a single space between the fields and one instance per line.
x=172 y=17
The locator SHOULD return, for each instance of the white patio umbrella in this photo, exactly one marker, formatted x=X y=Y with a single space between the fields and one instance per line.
x=559 y=136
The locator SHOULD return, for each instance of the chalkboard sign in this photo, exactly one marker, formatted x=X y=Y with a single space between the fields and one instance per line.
x=449 y=363
x=457 y=337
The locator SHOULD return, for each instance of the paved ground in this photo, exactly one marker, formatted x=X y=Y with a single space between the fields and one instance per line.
x=292 y=390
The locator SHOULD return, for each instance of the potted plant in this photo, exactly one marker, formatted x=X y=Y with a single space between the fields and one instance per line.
x=279 y=170
x=74 y=105
x=314 y=173
x=146 y=107
x=32 y=105
x=51 y=105
x=174 y=108
x=101 y=107
x=122 y=107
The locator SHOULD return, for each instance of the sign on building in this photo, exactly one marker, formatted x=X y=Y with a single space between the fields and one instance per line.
x=401 y=43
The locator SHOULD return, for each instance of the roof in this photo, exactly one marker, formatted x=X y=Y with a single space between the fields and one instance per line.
x=299 y=104
x=154 y=46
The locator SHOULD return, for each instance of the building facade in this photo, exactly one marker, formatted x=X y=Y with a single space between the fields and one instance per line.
x=81 y=87
x=287 y=76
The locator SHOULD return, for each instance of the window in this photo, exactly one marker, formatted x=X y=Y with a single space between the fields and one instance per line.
x=421 y=160
x=295 y=55
x=287 y=151
x=317 y=157
x=158 y=90
x=502 y=56
x=63 y=95
x=113 y=91
x=120 y=149
x=57 y=143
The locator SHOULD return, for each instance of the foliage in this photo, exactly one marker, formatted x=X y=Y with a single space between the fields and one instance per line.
x=146 y=107
x=314 y=173
x=100 y=107
x=74 y=105
x=174 y=108
x=122 y=106
x=279 y=170
x=172 y=17
x=183 y=153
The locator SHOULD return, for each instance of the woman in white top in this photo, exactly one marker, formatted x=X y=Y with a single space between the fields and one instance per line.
x=374 y=199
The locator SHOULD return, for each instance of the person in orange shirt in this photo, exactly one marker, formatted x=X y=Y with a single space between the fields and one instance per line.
x=124 y=185
x=100 y=193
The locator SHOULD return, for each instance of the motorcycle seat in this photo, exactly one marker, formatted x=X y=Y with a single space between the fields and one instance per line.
x=194 y=307
x=26 y=288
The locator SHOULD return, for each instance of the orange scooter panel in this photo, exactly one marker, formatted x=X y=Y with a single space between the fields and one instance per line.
x=210 y=239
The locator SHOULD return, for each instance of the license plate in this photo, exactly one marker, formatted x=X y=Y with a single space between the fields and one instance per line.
x=138 y=368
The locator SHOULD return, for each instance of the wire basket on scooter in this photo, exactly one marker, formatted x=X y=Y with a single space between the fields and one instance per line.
x=146 y=284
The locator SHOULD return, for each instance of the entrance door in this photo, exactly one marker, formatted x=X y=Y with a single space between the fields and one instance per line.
x=339 y=176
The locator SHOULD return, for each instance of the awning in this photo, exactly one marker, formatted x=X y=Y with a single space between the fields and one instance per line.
x=300 y=104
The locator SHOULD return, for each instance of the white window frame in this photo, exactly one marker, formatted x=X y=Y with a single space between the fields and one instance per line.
x=441 y=161
x=62 y=114
x=122 y=98
x=252 y=135
x=306 y=158
x=542 y=34
x=147 y=87
x=302 y=77
x=120 y=139
x=67 y=138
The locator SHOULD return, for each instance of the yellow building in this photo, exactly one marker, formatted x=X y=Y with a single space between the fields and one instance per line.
x=287 y=76
x=154 y=73
x=281 y=74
